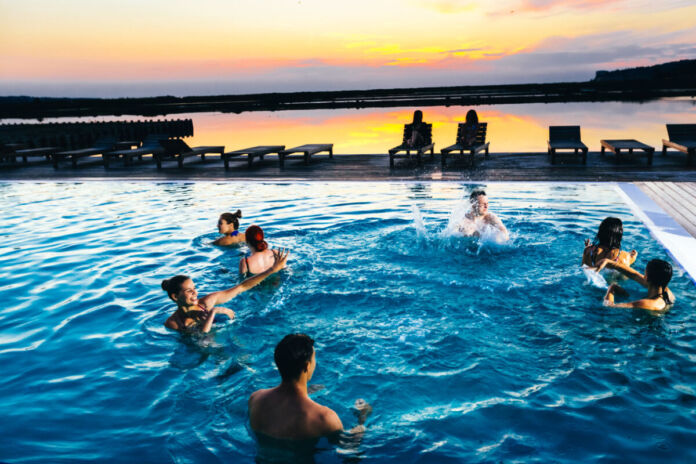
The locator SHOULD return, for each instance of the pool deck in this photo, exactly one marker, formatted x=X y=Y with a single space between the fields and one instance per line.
x=669 y=182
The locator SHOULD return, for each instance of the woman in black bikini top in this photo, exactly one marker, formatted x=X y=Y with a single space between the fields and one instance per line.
x=194 y=314
x=658 y=273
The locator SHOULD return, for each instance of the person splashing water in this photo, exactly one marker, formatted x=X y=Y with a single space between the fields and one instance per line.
x=479 y=222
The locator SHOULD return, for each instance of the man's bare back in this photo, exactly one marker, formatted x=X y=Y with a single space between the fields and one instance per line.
x=288 y=413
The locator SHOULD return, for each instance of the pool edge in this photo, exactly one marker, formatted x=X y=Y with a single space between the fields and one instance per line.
x=672 y=236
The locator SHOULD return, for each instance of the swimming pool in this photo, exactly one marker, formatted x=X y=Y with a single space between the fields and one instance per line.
x=467 y=350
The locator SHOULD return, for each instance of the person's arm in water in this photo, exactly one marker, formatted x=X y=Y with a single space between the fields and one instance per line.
x=625 y=270
x=223 y=296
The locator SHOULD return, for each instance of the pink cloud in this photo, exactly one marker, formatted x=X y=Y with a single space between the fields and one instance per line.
x=543 y=5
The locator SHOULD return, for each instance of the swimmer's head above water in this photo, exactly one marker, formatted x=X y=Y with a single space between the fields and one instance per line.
x=610 y=233
x=658 y=273
x=479 y=202
x=294 y=355
x=181 y=290
x=254 y=238
x=229 y=222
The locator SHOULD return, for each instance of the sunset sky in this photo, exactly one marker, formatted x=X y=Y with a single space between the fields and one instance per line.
x=111 y=48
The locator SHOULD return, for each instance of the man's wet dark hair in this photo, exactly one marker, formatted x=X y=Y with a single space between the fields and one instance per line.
x=292 y=355
x=610 y=233
x=475 y=194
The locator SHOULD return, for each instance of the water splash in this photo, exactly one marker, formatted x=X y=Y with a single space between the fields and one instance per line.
x=455 y=218
x=594 y=278
x=418 y=222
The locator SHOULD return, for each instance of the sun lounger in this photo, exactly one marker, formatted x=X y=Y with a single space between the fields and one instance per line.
x=179 y=150
x=102 y=145
x=479 y=144
x=11 y=151
x=252 y=152
x=305 y=150
x=151 y=146
x=420 y=150
x=682 y=137
x=566 y=138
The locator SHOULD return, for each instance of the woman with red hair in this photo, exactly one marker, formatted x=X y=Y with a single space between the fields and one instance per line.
x=261 y=256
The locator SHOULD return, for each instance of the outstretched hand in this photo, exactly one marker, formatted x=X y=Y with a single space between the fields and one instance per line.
x=588 y=242
x=280 y=258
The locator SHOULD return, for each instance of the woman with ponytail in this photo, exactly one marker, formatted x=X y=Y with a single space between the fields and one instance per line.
x=228 y=226
x=658 y=273
x=261 y=256
x=197 y=314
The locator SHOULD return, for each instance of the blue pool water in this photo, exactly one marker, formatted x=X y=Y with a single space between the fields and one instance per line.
x=468 y=351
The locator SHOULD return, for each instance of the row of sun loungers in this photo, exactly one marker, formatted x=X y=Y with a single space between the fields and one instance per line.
x=562 y=140
x=161 y=149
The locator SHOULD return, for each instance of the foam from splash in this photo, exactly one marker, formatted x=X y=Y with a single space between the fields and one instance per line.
x=418 y=222
x=594 y=278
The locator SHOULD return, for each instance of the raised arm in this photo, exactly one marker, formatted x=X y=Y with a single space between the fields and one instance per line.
x=280 y=256
x=625 y=270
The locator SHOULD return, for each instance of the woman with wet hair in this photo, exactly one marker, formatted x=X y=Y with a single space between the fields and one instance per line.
x=228 y=226
x=261 y=257
x=197 y=314
x=607 y=245
x=658 y=273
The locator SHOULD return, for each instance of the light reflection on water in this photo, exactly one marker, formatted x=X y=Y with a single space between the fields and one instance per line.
x=511 y=128
x=467 y=351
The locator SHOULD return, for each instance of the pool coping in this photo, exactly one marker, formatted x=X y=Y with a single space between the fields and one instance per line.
x=672 y=236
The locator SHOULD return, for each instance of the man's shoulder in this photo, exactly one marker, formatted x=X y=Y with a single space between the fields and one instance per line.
x=329 y=419
x=258 y=395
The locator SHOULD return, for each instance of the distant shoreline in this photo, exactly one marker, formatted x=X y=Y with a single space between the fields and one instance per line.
x=39 y=108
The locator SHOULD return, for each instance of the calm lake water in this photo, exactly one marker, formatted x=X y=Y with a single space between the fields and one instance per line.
x=468 y=350
x=511 y=128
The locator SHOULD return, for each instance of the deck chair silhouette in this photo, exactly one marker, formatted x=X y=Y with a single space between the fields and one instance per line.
x=682 y=137
x=566 y=138
x=419 y=150
x=479 y=144
x=178 y=150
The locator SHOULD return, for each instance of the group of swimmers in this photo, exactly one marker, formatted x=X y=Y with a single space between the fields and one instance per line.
x=605 y=252
x=286 y=412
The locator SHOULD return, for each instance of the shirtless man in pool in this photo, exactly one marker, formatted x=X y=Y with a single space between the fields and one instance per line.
x=286 y=411
x=478 y=217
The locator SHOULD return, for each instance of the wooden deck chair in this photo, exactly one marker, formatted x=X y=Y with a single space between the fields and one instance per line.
x=566 y=138
x=418 y=151
x=682 y=137
x=101 y=145
x=151 y=146
x=479 y=144
x=306 y=151
x=251 y=153
x=178 y=149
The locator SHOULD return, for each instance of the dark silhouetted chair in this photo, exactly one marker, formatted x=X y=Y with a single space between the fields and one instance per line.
x=682 y=137
x=566 y=138
x=427 y=144
x=306 y=151
x=151 y=146
x=101 y=145
x=258 y=151
x=177 y=149
x=477 y=146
